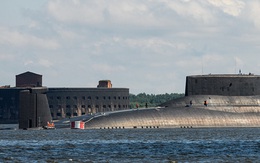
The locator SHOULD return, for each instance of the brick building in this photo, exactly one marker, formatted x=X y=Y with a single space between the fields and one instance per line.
x=28 y=79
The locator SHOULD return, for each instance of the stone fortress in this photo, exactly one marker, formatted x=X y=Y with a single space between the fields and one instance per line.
x=62 y=102
x=70 y=102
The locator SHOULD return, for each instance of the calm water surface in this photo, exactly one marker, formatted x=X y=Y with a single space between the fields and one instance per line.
x=131 y=145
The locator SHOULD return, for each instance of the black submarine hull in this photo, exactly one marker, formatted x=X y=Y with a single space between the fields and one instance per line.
x=186 y=112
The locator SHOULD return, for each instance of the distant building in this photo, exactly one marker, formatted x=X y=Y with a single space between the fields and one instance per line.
x=28 y=79
x=63 y=102
x=104 y=84
x=69 y=102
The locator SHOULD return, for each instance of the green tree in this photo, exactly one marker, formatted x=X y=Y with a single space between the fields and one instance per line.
x=151 y=100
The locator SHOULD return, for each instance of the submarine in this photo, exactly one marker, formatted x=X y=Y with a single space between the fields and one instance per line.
x=213 y=100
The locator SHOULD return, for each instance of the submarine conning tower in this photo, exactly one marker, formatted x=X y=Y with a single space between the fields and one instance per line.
x=223 y=84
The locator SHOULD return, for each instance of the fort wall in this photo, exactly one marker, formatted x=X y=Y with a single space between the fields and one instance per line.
x=70 y=102
x=9 y=103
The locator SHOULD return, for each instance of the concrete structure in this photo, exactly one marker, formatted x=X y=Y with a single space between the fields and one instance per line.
x=210 y=101
x=9 y=96
x=9 y=104
x=28 y=79
x=34 y=108
x=226 y=85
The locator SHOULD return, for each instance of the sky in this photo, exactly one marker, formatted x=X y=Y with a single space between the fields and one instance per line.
x=148 y=46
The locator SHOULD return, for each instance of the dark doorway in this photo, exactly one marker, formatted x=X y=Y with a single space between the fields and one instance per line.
x=30 y=123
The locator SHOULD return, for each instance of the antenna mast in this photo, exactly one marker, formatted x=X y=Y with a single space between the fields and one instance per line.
x=202 y=66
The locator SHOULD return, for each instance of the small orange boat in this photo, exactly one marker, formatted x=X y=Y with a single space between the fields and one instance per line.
x=49 y=126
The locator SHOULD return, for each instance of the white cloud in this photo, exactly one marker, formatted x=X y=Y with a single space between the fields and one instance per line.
x=107 y=69
x=45 y=63
x=6 y=57
x=137 y=44
x=76 y=11
x=101 y=11
x=66 y=34
x=191 y=9
x=28 y=62
x=231 y=7
x=16 y=38
x=35 y=63
x=252 y=12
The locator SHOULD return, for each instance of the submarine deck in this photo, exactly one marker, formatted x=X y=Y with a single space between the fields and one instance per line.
x=221 y=111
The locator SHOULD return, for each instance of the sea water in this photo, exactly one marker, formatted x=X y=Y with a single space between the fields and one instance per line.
x=131 y=145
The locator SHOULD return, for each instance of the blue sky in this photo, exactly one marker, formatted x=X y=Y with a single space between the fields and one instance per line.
x=146 y=45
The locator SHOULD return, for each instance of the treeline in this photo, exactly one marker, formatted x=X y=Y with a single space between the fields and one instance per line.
x=143 y=99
